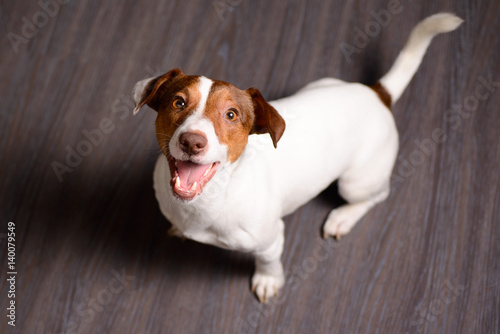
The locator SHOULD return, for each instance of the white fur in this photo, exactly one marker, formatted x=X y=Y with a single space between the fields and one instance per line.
x=204 y=87
x=137 y=92
x=335 y=130
x=406 y=64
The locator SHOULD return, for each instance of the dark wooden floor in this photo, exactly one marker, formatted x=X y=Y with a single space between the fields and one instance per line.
x=424 y=261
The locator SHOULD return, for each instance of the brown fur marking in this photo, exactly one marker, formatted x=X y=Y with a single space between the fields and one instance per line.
x=169 y=118
x=234 y=134
x=383 y=94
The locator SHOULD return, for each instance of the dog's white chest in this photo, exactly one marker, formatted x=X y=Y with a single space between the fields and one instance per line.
x=209 y=224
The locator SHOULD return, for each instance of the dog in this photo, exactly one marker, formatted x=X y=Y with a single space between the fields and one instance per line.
x=220 y=183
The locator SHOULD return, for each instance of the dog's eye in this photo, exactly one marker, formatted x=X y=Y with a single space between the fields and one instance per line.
x=179 y=103
x=231 y=115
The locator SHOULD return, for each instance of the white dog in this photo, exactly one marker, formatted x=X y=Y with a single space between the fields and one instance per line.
x=220 y=185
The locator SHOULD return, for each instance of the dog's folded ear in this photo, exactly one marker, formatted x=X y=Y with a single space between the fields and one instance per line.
x=267 y=119
x=146 y=91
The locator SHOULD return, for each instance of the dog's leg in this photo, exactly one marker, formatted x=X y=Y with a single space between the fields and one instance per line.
x=363 y=185
x=341 y=220
x=268 y=277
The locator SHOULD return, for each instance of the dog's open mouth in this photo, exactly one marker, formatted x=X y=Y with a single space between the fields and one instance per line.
x=189 y=178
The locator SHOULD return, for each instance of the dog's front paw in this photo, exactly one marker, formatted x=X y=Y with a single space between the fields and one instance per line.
x=175 y=232
x=266 y=286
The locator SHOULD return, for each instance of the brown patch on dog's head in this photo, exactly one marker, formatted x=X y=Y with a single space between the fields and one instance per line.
x=252 y=115
x=166 y=94
x=231 y=112
x=150 y=91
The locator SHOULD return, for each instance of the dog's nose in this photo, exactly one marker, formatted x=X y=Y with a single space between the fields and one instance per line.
x=192 y=143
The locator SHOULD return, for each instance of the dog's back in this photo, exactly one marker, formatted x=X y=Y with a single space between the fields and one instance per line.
x=337 y=129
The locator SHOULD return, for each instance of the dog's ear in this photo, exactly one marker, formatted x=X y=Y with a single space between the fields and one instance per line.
x=146 y=91
x=267 y=119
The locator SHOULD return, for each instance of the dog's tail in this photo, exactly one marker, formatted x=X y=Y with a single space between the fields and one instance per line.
x=408 y=61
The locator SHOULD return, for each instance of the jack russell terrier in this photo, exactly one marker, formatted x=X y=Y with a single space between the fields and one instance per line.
x=219 y=184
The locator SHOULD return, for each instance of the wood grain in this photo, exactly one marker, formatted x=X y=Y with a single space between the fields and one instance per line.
x=424 y=261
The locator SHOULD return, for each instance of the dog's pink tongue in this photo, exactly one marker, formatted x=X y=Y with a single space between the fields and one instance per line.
x=189 y=172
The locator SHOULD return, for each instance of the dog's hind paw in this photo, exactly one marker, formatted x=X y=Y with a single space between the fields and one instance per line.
x=266 y=286
x=340 y=222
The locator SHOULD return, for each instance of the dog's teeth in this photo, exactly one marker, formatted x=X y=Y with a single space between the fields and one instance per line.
x=178 y=182
x=208 y=170
x=193 y=187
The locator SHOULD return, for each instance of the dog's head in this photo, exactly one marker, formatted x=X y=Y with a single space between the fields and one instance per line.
x=203 y=125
